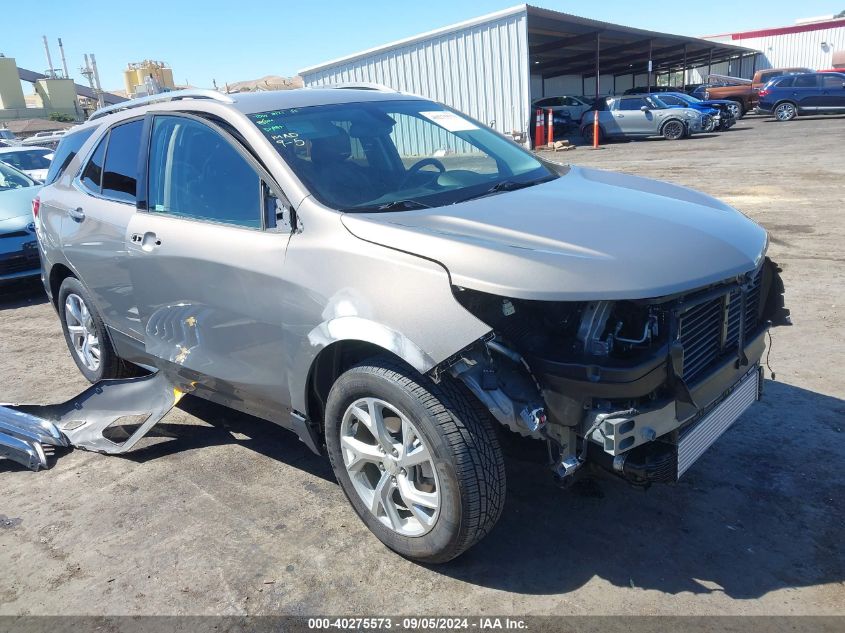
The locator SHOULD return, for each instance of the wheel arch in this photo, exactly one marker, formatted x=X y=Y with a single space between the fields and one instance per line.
x=58 y=273
x=336 y=358
x=670 y=120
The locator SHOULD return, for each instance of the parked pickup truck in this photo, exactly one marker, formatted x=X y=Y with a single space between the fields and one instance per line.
x=742 y=91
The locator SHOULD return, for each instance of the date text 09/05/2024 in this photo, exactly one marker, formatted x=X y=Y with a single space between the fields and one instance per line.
x=417 y=623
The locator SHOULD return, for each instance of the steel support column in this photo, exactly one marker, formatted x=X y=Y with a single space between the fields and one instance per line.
x=598 y=43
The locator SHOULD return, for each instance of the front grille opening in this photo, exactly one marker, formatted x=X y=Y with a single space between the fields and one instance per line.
x=710 y=330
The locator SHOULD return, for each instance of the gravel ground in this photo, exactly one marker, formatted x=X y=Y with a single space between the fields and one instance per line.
x=220 y=513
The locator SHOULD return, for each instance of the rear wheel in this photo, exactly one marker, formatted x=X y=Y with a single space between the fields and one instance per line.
x=85 y=334
x=785 y=111
x=673 y=130
x=419 y=462
x=587 y=134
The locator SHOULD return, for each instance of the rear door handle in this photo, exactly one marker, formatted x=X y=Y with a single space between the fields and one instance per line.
x=77 y=214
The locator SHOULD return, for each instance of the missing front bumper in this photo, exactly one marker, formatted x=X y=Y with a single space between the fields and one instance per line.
x=668 y=458
x=108 y=417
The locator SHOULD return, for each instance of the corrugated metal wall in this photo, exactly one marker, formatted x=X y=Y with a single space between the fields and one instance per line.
x=810 y=49
x=481 y=70
x=799 y=49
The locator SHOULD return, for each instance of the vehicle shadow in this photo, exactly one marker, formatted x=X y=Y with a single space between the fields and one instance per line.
x=760 y=511
x=227 y=426
x=19 y=293
x=808 y=117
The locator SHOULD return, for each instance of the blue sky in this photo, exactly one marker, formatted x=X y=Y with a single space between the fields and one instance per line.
x=233 y=41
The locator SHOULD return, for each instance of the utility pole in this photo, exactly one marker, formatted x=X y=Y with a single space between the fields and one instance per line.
x=87 y=72
x=98 y=89
x=64 y=61
x=50 y=72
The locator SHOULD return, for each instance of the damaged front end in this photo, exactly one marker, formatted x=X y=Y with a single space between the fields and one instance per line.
x=640 y=388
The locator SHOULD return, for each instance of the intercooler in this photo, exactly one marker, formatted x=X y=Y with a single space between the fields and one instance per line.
x=698 y=438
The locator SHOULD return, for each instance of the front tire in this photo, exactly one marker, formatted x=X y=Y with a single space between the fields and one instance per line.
x=785 y=111
x=736 y=109
x=674 y=130
x=85 y=334
x=419 y=462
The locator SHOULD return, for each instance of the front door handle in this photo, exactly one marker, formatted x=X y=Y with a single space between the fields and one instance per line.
x=77 y=214
x=148 y=240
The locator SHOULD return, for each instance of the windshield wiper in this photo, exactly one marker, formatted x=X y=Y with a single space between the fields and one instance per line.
x=505 y=185
x=395 y=205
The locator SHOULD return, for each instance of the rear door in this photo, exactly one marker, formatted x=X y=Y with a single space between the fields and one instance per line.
x=205 y=259
x=806 y=93
x=97 y=210
x=832 y=98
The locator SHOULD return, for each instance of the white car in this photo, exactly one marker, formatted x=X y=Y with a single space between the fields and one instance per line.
x=573 y=106
x=33 y=161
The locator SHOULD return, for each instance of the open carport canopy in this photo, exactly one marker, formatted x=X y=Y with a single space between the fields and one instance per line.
x=563 y=44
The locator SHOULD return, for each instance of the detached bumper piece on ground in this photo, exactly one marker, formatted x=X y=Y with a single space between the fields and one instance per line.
x=108 y=417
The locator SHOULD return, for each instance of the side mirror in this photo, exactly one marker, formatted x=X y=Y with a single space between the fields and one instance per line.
x=643 y=108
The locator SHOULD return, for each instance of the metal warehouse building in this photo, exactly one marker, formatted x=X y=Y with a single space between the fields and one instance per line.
x=492 y=67
x=817 y=45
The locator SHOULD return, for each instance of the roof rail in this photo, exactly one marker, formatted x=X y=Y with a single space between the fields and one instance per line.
x=358 y=85
x=174 y=95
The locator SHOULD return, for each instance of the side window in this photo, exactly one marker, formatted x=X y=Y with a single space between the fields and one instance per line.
x=93 y=174
x=670 y=100
x=786 y=82
x=833 y=81
x=195 y=173
x=69 y=146
x=120 y=174
x=805 y=81
x=631 y=104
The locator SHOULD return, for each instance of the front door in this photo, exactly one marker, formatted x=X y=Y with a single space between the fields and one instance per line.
x=631 y=119
x=204 y=262
x=832 y=97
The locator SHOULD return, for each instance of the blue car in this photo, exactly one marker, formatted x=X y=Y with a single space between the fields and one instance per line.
x=807 y=93
x=18 y=244
x=718 y=109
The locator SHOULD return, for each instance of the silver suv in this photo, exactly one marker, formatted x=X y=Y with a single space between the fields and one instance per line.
x=398 y=284
x=638 y=116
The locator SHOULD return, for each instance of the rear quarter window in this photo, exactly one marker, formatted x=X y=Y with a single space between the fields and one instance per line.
x=68 y=148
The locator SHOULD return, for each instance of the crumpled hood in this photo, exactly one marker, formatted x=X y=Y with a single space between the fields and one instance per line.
x=587 y=235
x=15 y=203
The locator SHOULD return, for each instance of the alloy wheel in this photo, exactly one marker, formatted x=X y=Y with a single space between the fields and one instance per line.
x=735 y=110
x=81 y=330
x=390 y=466
x=673 y=130
x=785 y=112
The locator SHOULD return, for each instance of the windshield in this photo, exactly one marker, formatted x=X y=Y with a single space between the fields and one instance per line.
x=396 y=155
x=13 y=179
x=656 y=103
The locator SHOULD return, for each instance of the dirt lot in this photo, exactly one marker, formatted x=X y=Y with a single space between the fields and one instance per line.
x=224 y=514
